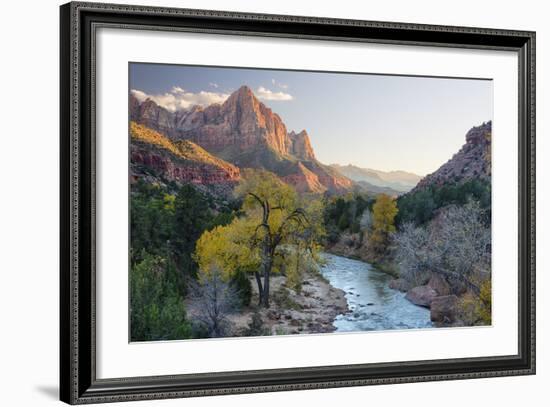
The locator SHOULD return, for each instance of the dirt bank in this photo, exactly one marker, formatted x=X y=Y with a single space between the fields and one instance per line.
x=311 y=311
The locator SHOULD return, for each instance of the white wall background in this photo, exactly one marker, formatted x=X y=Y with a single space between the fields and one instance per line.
x=29 y=162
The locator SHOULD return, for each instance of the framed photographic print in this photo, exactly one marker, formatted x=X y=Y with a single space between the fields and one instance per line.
x=256 y=203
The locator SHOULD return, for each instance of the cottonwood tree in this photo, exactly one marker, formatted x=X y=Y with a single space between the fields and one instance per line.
x=273 y=219
x=383 y=215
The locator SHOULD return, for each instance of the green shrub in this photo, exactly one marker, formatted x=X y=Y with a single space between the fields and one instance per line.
x=157 y=311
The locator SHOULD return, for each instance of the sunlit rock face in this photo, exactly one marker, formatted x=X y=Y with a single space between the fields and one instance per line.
x=472 y=161
x=245 y=132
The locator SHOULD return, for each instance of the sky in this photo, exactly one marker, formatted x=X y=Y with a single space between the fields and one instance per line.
x=374 y=121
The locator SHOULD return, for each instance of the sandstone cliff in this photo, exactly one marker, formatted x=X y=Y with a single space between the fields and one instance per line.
x=154 y=155
x=300 y=146
x=246 y=133
x=473 y=161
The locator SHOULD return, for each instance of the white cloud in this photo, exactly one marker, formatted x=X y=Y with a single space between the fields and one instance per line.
x=179 y=99
x=214 y=85
x=279 y=84
x=139 y=95
x=266 y=94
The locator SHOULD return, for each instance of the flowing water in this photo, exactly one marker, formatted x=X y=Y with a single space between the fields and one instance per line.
x=373 y=305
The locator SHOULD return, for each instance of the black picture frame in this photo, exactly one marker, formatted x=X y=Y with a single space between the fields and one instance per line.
x=78 y=382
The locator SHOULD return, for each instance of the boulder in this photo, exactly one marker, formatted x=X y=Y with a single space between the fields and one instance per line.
x=421 y=295
x=443 y=309
x=439 y=284
x=400 y=284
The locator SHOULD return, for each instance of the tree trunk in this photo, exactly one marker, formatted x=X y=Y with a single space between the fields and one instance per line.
x=267 y=262
x=267 y=272
x=260 y=288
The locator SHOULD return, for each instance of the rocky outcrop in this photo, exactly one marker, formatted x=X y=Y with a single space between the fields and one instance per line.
x=439 y=284
x=300 y=146
x=436 y=295
x=174 y=169
x=151 y=115
x=421 y=295
x=333 y=181
x=473 y=161
x=400 y=284
x=247 y=133
x=153 y=155
x=304 y=180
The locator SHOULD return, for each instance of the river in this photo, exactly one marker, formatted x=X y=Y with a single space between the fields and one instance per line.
x=373 y=305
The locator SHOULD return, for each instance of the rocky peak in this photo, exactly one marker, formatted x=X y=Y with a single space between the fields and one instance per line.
x=243 y=95
x=300 y=146
x=151 y=115
x=472 y=161
x=244 y=132
x=253 y=122
x=479 y=135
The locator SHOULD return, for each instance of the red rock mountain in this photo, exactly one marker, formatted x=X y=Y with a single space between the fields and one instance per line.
x=152 y=154
x=247 y=133
x=473 y=160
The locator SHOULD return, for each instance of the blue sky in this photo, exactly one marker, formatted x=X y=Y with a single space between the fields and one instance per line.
x=375 y=121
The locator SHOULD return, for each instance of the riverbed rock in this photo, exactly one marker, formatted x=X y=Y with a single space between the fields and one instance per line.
x=439 y=284
x=399 y=284
x=422 y=295
x=443 y=309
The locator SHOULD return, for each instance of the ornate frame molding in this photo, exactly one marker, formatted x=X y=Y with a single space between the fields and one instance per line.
x=79 y=20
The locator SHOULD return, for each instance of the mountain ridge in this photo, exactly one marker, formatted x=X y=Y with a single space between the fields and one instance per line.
x=398 y=180
x=472 y=161
x=182 y=161
x=247 y=133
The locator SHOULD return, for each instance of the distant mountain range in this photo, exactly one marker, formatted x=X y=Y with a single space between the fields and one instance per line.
x=398 y=181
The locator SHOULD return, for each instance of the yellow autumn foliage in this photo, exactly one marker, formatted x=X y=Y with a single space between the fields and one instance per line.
x=227 y=248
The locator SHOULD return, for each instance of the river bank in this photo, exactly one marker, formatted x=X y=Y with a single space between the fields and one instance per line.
x=435 y=293
x=347 y=295
x=312 y=310
x=353 y=247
